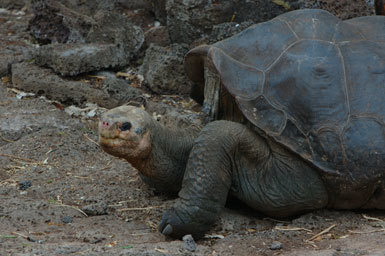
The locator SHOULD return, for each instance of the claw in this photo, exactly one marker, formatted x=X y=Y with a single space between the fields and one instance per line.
x=167 y=230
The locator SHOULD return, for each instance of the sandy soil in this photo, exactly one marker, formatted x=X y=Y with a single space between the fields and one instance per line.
x=84 y=202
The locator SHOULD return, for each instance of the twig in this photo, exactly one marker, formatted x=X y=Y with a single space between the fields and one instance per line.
x=81 y=177
x=292 y=229
x=311 y=243
x=275 y=220
x=367 y=232
x=73 y=207
x=18 y=157
x=372 y=218
x=6 y=140
x=98 y=77
x=88 y=138
x=23 y=236
x=138 y=209
x=23 y=162
x=140 y=234
x=17 y=167
x=322 y=232
x=5 y=103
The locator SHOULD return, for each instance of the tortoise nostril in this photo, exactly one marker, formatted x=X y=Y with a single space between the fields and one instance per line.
x=105 y=124
x=125 y=126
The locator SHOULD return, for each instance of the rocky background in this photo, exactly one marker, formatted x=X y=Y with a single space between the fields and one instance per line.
x=66 y=45
x=64 y=62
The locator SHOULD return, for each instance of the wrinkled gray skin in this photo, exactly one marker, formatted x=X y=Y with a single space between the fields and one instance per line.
x=230 y=158
x=225 y=157
x=158 y=153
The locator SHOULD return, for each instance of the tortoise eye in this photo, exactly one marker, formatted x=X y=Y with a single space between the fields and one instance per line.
x=125 y=126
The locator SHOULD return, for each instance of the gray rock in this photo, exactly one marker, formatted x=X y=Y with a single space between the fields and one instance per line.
x=66 y=219
x=163 y=69
x=344 y=9
x=24 y=185
x=227 y=29
x=134 y=4
x=42 y=81
x=14 y=47
x=53 y=22
x=222 y=31
x=189 y=243
x=276 y=246
x=90 y=7
x=172 y=117
x=159 y=9
x=111 y=42
x=158 y=36
x=190 y=20
x=12 y=4
x=14 y=54
x=120 y=89
x=113 y=28
x=193 y=19
x=95 y=209
x=73 y=59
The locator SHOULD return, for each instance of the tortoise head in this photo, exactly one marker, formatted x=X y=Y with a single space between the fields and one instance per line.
x=125 y=132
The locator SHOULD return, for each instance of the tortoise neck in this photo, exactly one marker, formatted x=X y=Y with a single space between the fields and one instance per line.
x=164 y=168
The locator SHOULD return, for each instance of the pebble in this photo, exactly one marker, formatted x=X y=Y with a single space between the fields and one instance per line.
x=24 y=185
x=189 y=243
x=66 y=219
x=95 y=209
x=276 y=246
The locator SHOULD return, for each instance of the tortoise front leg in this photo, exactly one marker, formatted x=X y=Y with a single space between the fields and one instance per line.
x=206 y=183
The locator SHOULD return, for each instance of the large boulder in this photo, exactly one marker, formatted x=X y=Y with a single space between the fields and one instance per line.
x=53 y=22
x=120 y=89
x=159 y=9
x=74 y=59
x=114 y=28
x=14 y=44
x=227 y=29
x=12 y=4
x=14 y=54
x=157 y=35
x=111 y=42
x=189 y=20
x=90 y=7
x=163 y=69
x=343 y=9
x=42 y=81
x=192 y=19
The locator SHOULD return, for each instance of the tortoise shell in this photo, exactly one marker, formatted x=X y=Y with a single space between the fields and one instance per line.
x=316 y=85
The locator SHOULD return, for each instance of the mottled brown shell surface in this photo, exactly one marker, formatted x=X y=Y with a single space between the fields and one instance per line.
x=316 y=85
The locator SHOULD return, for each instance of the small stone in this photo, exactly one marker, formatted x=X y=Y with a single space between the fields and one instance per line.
x=189 y=243
x=95 y=209
x=66 y=219
x=24 y=185
x=276 y=246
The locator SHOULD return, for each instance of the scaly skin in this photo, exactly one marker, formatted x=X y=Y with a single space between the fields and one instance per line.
x=228 y=157
x=158 y=153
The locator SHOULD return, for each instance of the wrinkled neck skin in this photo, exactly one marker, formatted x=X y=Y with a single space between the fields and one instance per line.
x=165 y=164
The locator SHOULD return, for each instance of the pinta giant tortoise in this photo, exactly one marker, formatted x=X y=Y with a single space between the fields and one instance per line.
x=301 y=103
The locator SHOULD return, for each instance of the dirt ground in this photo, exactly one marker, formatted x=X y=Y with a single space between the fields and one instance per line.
x=82 y=201
x=60 y=194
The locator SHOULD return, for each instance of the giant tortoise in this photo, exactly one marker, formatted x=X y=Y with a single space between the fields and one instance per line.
x=299 y=105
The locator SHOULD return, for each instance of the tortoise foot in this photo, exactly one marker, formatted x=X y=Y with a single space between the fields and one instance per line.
x=172 y=225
